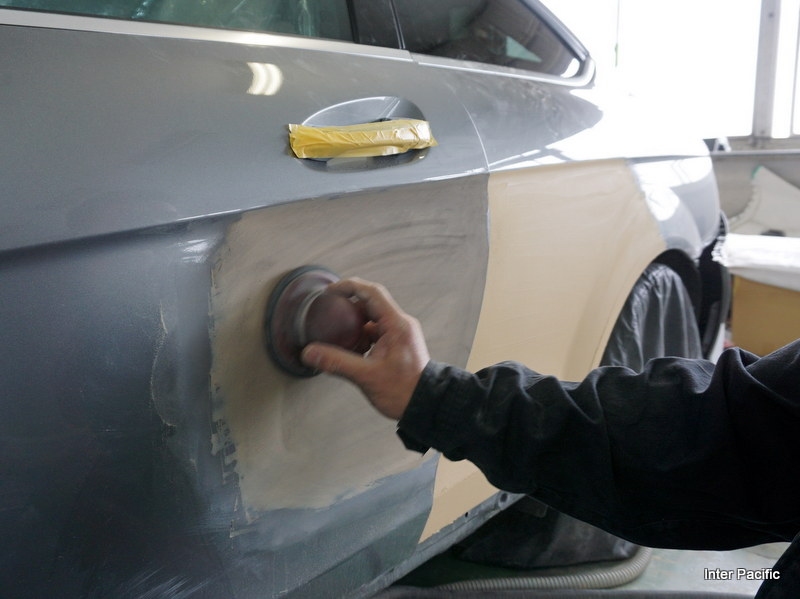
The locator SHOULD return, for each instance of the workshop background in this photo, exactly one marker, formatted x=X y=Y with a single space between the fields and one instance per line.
x=732 y=73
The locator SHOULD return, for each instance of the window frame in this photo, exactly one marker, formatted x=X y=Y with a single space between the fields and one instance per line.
x=96 y=23
x=582 y=77
x=760 y=140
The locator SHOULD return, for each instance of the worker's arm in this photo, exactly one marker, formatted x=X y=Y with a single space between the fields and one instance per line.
x=680 y=455
x=684 y=454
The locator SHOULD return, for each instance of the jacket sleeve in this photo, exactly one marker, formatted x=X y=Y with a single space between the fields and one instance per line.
x=684 y=454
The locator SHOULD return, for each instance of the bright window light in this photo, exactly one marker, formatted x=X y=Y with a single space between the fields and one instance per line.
x=791 y=51
x=786 y=69
x=693 y=60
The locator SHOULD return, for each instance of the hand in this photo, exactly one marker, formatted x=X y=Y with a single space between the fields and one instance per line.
x=388 y=374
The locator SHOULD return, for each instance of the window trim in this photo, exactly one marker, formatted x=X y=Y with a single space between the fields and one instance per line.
x=584 y=75
x=96 y=24
x=582 y=78
x=561 y=30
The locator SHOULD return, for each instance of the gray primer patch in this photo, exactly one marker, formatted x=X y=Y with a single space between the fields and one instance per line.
x=306 y=443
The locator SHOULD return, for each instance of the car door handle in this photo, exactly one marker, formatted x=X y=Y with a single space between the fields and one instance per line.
x=364 y=110
x=376 y=138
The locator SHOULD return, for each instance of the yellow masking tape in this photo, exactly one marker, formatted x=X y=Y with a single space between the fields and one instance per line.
x=368 y=139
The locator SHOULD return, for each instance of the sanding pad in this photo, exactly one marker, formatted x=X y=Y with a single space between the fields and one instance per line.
x=300 y=311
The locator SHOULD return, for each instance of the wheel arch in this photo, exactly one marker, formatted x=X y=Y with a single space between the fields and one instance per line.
x=709 y=287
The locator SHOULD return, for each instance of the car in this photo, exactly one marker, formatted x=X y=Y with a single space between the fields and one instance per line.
x=150 y=202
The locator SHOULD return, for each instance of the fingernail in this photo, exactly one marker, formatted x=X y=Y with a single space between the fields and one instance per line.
x=310 y=357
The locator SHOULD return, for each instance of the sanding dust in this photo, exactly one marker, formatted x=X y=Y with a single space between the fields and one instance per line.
x=306 y=443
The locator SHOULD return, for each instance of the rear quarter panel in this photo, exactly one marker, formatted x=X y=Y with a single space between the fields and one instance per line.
x=585 y=190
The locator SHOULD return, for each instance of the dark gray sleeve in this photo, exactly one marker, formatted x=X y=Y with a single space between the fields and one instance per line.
x=683 y=454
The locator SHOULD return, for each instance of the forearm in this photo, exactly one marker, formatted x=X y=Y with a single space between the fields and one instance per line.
x=672 y=456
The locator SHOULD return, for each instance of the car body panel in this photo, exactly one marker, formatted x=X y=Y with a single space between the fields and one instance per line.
x=582 y=185
x=550 y=299
x=126 y=207
x=203 y=145
x=678 y=191
x=525 y=122
x=149 y=202
x=425 y=242
x=561 y=325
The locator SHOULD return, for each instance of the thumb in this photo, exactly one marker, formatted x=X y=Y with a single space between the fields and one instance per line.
x=333 y=360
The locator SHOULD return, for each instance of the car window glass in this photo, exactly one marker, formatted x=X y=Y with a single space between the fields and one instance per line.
x=500 y=32
x=313 y=18
x=375 y=24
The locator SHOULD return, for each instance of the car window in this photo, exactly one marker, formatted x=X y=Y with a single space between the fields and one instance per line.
x=314 y=18
x=499 y=32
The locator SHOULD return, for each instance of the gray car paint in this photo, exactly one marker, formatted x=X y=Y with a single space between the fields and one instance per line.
x=121 y=132
x=129 y=157
x=524 y=122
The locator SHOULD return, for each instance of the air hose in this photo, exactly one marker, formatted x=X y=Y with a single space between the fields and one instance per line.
x=613 y=576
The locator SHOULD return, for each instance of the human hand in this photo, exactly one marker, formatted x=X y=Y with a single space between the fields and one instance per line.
x=388 y=374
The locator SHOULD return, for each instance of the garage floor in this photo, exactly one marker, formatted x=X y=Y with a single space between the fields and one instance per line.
x=684 y=570
x=668 y=570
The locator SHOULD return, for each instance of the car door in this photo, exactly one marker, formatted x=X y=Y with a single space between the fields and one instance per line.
x=149 y=202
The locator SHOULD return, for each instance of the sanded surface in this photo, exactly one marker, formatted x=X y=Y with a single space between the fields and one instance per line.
x=567 y=243
x=306 y=443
